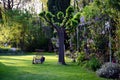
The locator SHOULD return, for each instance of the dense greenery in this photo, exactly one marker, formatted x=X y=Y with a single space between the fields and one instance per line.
x=96 y=15
x=23 y=31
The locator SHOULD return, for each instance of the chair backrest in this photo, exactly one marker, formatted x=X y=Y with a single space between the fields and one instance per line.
x=42 y=59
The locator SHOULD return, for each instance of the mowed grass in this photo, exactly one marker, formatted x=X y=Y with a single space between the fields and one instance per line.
x=21 y=68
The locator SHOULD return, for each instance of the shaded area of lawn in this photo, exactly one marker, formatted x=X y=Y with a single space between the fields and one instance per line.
x=21 y=68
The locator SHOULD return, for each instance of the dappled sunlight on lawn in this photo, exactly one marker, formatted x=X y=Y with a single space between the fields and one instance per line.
x=22 y=68
x=25 y=60
x=15 y=60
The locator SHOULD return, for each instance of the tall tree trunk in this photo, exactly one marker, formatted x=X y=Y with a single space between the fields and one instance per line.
x=61 y=58
x=22 y=41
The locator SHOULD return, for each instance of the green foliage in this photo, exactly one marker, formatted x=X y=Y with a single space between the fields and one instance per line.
x=42 y=14
x=60 y=15
x=77 y=16
x=74 y=22
x=90 y=11
x=49 y=15
x=69 y=11
x=101 y=43
x=97 y=2
x=21 y=30
x=46 y=15
x=117 y=55
x=21 y=17
x=108 y=7
x=93 y=64
x=37 y=34
x=64 y=21
x=115 y=4
x=80 y=58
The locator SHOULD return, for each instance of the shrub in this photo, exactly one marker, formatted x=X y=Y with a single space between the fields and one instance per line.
x=68 y=53
x=117 y=55
x=93 y=64
x=81 y=57
x=109 y=70
x=90 y=62
x=10 y=51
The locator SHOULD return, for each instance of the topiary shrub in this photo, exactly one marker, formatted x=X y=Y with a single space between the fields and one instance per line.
x=109 y=70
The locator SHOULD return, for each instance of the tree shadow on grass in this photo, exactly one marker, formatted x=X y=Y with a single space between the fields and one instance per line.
x=6 y=58
x=5 y=71
x=24 y=73
x=13 y=73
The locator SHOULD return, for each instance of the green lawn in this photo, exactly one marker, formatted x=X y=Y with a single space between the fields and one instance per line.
x=21 y=68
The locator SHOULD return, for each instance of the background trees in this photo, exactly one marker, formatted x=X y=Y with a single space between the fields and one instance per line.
x=20 y=28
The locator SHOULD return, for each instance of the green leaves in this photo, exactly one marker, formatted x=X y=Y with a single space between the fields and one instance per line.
x=42 y=14
x=74 y=22
x=115 y=4
x=69 y=11
x=67 y=21
x=91 y=11
x=77 y=16
x=60 y=15
x=48 y=16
